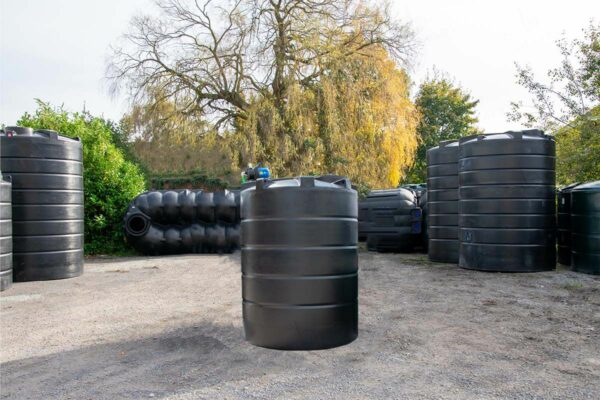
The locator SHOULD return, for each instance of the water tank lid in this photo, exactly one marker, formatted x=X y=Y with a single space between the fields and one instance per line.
x=588 y=187
x=530 y=134
x=19 y=131
x=303 y=181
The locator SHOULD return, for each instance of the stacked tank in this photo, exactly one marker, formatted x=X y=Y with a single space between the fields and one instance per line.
x=47 y=203
x=507 y=202
x=299 y=263
x=585 y=228
x=564 y=224
x=442 y=202
x=6 y=262
x=183 y=221
x=390 y=220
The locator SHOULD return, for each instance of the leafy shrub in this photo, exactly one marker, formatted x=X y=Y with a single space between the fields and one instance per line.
x=110 y=180
x=193 y=180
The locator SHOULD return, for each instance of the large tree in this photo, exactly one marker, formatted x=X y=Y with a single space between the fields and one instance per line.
x=571 y=90
x=567 y=105
x=166 y=141
x=263 y=69
x=447 y=113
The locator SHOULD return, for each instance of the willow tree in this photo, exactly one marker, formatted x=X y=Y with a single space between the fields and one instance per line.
x=167 y=141
x=268 y=70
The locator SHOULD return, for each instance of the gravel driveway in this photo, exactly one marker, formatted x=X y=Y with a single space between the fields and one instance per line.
x=171 y=328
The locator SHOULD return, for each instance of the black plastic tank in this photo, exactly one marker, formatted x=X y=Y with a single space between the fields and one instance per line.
x=442 y=202
x=390 y=220
x=563 y=231
x=507 y=202
x=183 y=221
x=424 y=239
x=6 y=272
x=47 y=203
x=300 y=263
x=585 y=228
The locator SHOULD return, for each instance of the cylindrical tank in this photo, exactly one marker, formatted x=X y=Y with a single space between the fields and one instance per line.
x=390 y=220
x=424 y=231
x=442 y=202
x=300 y=263
x=47 y=203
x=507 y=202
x=6 y=262
x=563 y=230
x=585 y=228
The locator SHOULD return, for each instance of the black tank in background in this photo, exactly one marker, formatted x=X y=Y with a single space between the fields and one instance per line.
x=563 y=231
x=390 y=220
x=6 y=261
x=424 y=240
x=300 y=263
x=183 y=221
x=47 y=203
x=585 y=228
x=507 y=202
x=442 y=202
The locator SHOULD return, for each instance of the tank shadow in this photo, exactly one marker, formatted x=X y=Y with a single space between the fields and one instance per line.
x=182 y=360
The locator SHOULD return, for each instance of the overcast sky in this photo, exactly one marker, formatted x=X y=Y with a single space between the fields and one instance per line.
x=56 y=50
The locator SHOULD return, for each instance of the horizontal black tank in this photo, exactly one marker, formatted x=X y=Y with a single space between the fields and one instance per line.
x=563 y=230
x=300 y=263
x=6 y=272
x=390 y=220
x=585 y=228
x=47 y=203
x=507 y=202
x=442 y=202
x=183 y=221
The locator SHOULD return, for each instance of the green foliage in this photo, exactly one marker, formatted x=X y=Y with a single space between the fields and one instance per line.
x=357 y=121
x=110 y=180
x=578 y=149
x=167 y=142
x=191 y=180
x=570 y=90
x=447 y=113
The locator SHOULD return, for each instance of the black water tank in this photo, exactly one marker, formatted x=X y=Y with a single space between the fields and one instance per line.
x=183 y=221
x=300 y=263
x=424 y=239
x=390 y=220
x=442 y=202
x=6 y=272
x=507 y=202
x=563 y=231
x=47 y=196
x=585 y=228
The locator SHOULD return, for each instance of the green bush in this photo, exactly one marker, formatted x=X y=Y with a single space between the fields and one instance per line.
x=110 y=180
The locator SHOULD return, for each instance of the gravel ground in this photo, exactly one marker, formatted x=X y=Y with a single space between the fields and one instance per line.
x=171 y=328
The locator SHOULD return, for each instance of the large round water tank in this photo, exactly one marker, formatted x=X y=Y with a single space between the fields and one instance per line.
x=585 y=228
x=6 y=272
x=442 y=202
x=563 y=231
x=507 y=202
x=47 y=203
x=300 y=263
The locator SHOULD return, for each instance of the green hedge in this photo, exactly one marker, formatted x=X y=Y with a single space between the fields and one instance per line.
x=110 y=180
x=191 y=180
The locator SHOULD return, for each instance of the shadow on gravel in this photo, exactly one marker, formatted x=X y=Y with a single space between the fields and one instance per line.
x=99 y=260
x=152 y=367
